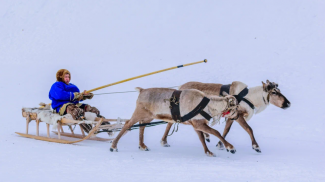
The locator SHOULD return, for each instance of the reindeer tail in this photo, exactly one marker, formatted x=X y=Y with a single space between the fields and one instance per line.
x=139 y=89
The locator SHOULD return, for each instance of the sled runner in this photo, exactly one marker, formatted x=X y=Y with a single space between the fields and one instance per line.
x=57 y=121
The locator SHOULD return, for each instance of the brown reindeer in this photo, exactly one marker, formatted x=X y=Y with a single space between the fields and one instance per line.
x=154 y=103
x=258 y=98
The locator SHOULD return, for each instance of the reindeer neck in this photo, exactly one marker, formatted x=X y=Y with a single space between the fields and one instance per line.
x=258 y=98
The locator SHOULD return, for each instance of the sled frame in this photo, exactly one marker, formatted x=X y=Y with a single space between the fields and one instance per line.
x=67 y=122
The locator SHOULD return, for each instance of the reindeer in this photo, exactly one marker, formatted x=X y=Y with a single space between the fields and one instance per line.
x=155 y=103
x=257 y=98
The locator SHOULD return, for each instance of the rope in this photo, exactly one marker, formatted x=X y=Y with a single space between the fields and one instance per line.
x=124 y=92
x=137 y=126
x=174 y=129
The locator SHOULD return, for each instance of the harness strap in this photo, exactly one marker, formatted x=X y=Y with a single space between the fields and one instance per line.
x=175 y=112
x=205 y=115
x=239 y=97
x=198 y=110
x=174 y=106
x=249 y=103
x=225 y=88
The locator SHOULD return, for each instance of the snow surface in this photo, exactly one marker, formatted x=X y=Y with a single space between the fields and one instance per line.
x=102 y=42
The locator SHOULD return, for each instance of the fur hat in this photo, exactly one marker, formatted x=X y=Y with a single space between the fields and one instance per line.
x=60 y=75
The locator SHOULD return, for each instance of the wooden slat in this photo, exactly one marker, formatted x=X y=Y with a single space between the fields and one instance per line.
x=37 y=127
x=59 y=128
x=62 y=131
x=81 y=136
x=82 y=131
x=48 y=129
x=110 y=127
x=27 y=124
x=71 y=129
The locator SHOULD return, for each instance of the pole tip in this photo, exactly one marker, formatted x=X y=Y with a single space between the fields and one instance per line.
x=205 y=60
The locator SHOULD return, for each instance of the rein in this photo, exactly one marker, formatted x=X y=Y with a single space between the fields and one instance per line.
x=137 y=126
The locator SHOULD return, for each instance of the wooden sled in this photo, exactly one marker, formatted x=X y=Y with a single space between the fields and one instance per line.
x=97 y=125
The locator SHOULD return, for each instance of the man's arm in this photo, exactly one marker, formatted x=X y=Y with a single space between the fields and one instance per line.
x=58 y=93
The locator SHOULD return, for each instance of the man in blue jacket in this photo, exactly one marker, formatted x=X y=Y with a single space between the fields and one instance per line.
x=66 y=96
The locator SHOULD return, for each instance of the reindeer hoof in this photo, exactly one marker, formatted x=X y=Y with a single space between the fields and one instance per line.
x=256 y=148
x=144 y=149
x=210 y=154
x=113 y=150
x=208 y=140
x=233 y=151
x=164 y=144
x=220 y=146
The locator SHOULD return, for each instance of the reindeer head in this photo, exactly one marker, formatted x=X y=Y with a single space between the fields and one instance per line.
x=275 y=96
x=231 y=111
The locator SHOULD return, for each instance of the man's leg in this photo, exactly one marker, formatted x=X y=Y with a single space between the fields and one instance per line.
x=89 y=108
x=76 y=112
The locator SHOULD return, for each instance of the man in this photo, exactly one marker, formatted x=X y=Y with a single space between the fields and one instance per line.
x=66 y=96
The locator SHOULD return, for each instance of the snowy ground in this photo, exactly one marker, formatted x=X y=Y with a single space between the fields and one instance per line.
x=101 y=42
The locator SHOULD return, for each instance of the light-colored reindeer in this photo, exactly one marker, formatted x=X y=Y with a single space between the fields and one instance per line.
x=260 y=97
x=151 y=104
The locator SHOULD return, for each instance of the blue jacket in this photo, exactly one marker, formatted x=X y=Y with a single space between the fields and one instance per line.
x=62 y=93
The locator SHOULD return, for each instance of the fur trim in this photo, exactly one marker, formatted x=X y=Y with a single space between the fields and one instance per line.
x=60 y=75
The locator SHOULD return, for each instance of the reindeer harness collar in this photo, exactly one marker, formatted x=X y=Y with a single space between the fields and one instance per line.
x=175 y=112
x=239 y=97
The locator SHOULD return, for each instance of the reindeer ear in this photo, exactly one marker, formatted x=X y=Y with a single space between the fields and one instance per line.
x=264 y=86
x=224 y=93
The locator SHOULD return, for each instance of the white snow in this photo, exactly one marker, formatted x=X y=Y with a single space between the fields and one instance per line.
x=101 y=42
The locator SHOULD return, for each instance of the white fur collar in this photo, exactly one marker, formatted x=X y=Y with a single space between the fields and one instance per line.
x=256 y=96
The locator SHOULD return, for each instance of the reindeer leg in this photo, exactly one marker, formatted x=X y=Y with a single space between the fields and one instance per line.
x=225 y=132
x=206 y=150
x=142 y=146
x=202 y=126
x=139 y=115
x=249 y=130
x=126 y=126
x=163 y=141
x=207 y=137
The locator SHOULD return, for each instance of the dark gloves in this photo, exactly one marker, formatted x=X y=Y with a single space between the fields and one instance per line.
x=88 y=96
x=78 y=96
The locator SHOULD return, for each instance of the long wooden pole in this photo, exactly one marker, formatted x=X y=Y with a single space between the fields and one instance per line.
x=133 y=78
